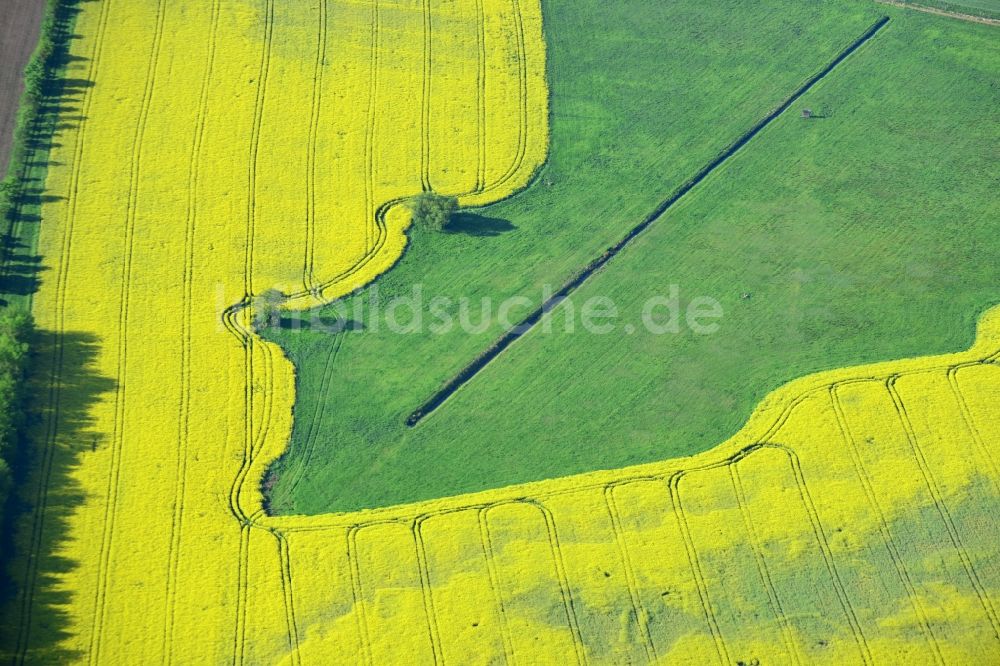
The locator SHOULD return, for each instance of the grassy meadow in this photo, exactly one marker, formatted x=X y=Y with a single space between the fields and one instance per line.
x=865 y=233
x=635 y=112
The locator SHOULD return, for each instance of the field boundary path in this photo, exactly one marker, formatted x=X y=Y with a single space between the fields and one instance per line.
x=941 y=12
x=20 y=21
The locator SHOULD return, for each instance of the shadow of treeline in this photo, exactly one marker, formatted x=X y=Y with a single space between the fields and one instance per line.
x=56 y=111
x=472 y=224
x=63 y=383
x=21 y=272
x=63 y=387
x=319 y=323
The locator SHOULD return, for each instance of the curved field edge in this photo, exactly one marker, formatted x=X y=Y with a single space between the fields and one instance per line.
x=764 y=421
x=393 y=219
x=802 y=216
x=796 y=499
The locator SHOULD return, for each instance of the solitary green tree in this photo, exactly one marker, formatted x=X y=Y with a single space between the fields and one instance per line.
x=431 y=211
x=266 y=309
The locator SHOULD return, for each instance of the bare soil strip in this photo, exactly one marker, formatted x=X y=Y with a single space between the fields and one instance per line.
x=941 y=12
x=529 y=322
x=20 y=23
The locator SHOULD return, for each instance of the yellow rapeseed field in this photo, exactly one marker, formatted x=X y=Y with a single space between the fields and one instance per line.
x=849 y=522
x=233 y=146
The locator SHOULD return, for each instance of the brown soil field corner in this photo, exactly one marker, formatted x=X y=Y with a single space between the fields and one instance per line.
x=20 y=22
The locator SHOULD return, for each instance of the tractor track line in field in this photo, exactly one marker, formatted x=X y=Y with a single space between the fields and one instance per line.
x=425 y=102
x=635 y=597
x=481 y=102
x=673 y=485
x=558 y=570
x=360 y=612
x=318 y=414
x=371 y=209
x=125 y=295
x=243 y=563
x=184 y=415
x=285 y=558
x=486 y=541
x=418 y=525
x=523 y=129
x=939 y=503
x=697 y=573
x=308 y=272
x=414 y=526
x=888 y=539
x=827 y=551
x=559 y=563
x=970 y=423
x=423 y=570
x=755 y=542
x=515 y=333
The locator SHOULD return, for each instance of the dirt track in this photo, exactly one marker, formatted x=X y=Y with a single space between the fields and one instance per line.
x=19 y=25
x=942 y=12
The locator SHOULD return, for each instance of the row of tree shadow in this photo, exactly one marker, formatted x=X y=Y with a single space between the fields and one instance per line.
x=63 y=383
x=51 y=107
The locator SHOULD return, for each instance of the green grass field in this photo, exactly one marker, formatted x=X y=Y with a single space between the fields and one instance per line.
x=867 y=233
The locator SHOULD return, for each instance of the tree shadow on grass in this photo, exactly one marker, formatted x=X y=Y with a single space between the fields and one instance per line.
x=57 y=111
x=471 y=224
x=63 y=387
x=21 y=272
x=321 y=324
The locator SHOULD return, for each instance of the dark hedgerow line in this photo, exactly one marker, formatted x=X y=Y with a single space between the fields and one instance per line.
x=473 y=368
x=35 y=122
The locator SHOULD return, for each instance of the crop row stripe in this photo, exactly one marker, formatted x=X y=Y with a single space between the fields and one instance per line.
x=885 y=531
x=807 y=502
x=183 y=418
x=309 y=277
x=125 y=294
x=941 y=505
x=756 y=546
x=248 y=348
